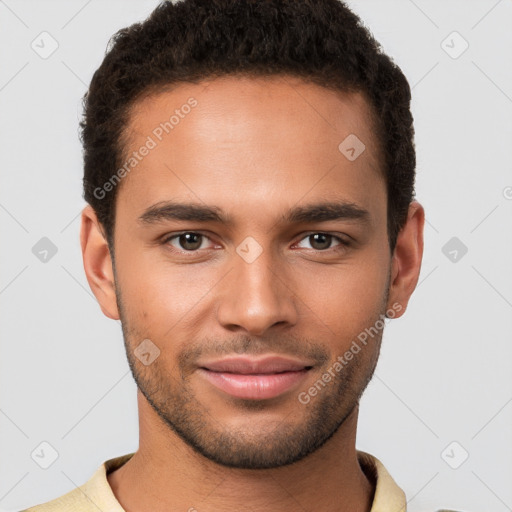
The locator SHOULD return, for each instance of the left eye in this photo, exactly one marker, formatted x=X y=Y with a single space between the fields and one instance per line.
x=323 y=240
x=189 y=241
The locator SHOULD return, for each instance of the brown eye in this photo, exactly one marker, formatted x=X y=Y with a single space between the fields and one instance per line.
x=188 y=241
x=320 y=241
x=323 y=241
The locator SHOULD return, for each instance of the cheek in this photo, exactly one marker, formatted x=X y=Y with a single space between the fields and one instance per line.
x=345 y=296
x=161 y=299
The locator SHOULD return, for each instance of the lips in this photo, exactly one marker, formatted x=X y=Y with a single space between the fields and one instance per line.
x=247 y=366
x=252 y=379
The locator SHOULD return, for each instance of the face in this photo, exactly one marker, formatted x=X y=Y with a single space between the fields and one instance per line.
x=275 y=244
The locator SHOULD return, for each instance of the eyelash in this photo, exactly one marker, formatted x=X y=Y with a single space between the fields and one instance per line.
x=344 y=244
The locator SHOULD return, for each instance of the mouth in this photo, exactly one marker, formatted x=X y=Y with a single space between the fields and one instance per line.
x=255 y=379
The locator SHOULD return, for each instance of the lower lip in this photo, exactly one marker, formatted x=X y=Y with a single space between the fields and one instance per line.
x=254 y=387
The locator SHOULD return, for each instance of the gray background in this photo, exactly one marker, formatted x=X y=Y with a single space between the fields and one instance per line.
x=445 y=370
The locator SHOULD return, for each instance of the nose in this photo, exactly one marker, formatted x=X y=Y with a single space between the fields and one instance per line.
x=257 y=296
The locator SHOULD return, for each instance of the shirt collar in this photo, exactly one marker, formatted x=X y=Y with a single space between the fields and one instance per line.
x=388 y=496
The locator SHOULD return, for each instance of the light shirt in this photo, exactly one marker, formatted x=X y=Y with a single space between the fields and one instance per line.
x=96 y=494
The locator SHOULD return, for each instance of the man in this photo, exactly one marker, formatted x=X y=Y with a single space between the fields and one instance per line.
x=249 y=173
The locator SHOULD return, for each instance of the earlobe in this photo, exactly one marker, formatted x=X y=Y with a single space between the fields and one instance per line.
x=98 y=263
x=407 y=257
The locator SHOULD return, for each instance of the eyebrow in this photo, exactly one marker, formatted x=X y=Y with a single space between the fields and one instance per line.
x=318 y=212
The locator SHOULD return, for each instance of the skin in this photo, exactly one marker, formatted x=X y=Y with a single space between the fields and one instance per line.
x=255 y=148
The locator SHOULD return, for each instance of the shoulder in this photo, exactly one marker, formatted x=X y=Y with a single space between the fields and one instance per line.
x=72 y=501
x=387 y=494
x=93 y=495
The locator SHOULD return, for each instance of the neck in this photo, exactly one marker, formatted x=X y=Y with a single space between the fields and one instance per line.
x=167 y=474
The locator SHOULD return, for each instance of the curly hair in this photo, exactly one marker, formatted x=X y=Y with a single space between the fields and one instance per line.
x=320 y=41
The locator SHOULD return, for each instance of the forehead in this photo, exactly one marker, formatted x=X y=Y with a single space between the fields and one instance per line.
x=265 y=139
x=259 y=105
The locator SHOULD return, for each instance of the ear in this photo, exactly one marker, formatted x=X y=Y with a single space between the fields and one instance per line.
x=406 y=261
x=98 y=263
